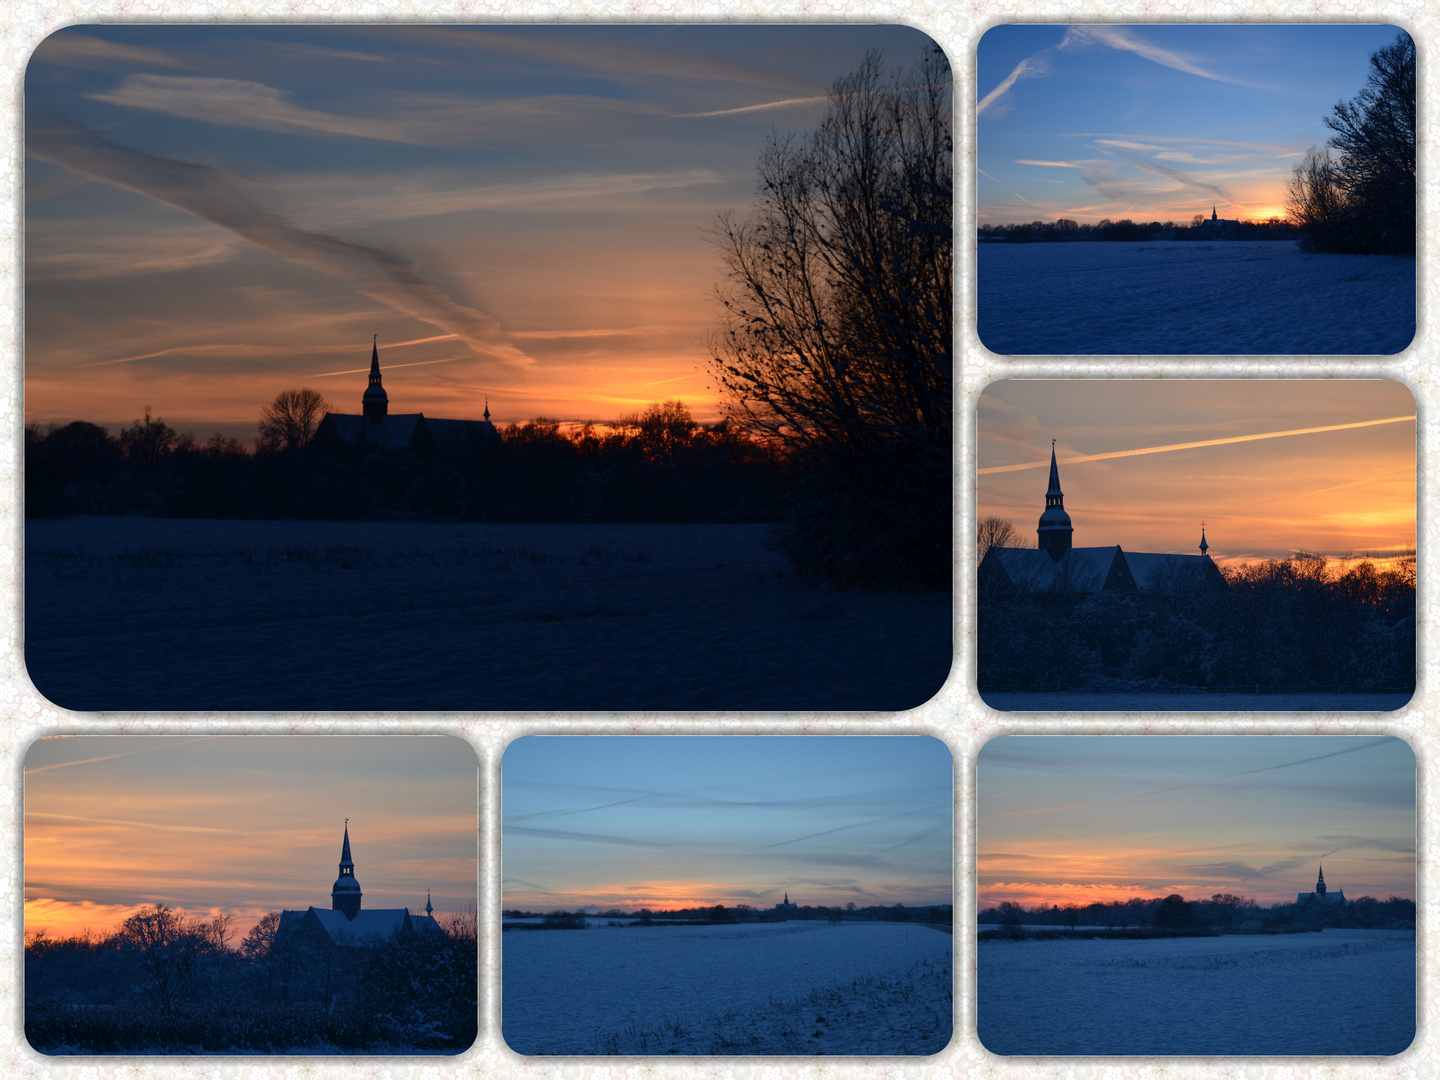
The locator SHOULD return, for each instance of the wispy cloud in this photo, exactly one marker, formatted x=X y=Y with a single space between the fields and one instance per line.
x=235 y=205
x=765 y=107
x=1193 y=445
x=1029 y=68
x=79 y=50
x=1121 y=38
x=414 y=119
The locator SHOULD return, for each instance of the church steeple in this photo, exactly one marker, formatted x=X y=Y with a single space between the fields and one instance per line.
x=1320 y=885
x=376 y=403
x=1204 y=547
x=1212 y=213
x=1055 y=530
x=345 y=895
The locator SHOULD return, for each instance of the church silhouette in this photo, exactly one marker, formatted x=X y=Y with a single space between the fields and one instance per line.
x=376 y=428
x=1056 y=566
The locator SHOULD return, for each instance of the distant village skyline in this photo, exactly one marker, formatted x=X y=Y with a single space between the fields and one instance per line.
x=243 y=825
x=666 y=822
x=1156 y=122
x=1078 y=819
x=215 y=214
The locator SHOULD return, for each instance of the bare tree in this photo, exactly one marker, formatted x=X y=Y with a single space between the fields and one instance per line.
x=994 y=532
x=836 y=332
x=289 y=422
x=167 y=944
x=1363 y=200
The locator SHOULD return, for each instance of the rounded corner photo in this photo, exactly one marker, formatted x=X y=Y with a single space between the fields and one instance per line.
x=1196 y=895
x=727 y=895
x=307 y=447
x=1188 y=544
x=250 y=895
x=1150 y=189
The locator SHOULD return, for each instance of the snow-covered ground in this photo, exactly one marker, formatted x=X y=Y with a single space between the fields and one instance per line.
x=158 y=614
x=1336 y=992
x=1068 y=701
x=750 y=988
x=1170 y=296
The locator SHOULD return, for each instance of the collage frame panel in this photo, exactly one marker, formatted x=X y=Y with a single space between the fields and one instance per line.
x=956 y=715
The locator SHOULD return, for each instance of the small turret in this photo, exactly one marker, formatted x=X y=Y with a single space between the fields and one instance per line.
x=1204 y=547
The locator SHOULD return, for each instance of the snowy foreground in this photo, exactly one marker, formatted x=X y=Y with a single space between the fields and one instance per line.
x=1336 y=992
x=162 y=614
x=1169 y=296
x=750 y=988
x=1068 y=701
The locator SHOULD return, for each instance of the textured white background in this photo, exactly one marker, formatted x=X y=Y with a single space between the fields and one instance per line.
x=955 y=715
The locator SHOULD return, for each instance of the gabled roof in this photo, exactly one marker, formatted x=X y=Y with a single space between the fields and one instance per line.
x=1157 y=571
x=1082 y=570
x=371 y=926
x=397 y=431
x=456 y=434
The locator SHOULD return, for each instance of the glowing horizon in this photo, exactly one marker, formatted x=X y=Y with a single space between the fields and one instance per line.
x=676 y=821
x=218 y=213
x=1269 y=467
x=1080 y=819
x=243 y=825
x=1156 y=122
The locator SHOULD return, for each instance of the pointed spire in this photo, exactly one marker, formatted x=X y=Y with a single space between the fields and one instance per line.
x=428 y=908
x=1055 y=530
x=1204 y=547
x=1212 y=212
x=375 y=403
x=487 y=408
x=345 y=859
x=1054 y=475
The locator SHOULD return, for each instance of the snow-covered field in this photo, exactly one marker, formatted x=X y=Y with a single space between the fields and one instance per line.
x=1170 y=296
x=1068 y=701
x=158 y=614
x=1336 y=992
x=750 y=988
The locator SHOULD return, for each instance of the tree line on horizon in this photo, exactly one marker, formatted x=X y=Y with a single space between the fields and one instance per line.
x=1282 y=625
x=1219 y=913
x=167 y=982
x=1063 y=230
x=658 y=465
x=739 y=913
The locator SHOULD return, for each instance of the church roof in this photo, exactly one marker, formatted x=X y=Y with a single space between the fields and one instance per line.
x=371 y=926
x=397 y=431
x=455 y=434
x=1155 y=571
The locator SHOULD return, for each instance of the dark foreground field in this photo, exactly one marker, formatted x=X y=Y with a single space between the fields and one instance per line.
x=129 y=614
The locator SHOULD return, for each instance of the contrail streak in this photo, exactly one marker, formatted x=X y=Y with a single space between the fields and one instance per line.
x=1193 y=445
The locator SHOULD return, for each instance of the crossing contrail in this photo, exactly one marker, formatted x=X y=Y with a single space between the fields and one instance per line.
x=1193 y=445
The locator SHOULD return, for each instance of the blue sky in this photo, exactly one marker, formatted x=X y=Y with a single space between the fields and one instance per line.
x=217 y=213
x=1156 y=123
x=1071 y=819
x=677 y=821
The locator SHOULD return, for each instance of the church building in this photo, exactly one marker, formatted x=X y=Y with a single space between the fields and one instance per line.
x=345 y=923
x=376 y=428
x=1057 y=566
x=784 y=910
x=1321 y=895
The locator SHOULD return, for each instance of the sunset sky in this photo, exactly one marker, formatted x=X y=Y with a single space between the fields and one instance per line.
x=673 y=821
x=1077 y=819
x=1331 y=492
x=1156 y=123
x=218 y=213
x=243 y=825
